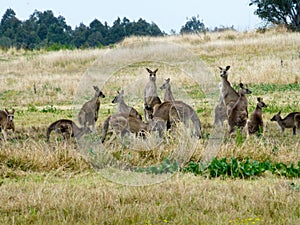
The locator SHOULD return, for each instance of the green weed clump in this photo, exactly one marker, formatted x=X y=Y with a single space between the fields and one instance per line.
x=234 y=168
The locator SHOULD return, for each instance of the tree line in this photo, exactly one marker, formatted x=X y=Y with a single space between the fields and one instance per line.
x=44 y=30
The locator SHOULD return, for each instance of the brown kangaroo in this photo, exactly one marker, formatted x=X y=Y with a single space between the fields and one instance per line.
x=175 y=111
x=290 y=121
x=67 y=128
x=150 y=93
x=123 y=107
x=88 y=114
x=122 y=123
x=239 y=112
x=229 y=95
x=6 y=122
x=255 y=124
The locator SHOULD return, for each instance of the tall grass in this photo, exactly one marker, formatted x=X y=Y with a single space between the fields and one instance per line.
x=55 y=183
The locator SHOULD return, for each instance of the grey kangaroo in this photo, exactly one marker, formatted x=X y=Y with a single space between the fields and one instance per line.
x=168 y=93
x=6 y=122
x=229 y=95
x=88 y=114
x=256 y=124
x=292 y=120
x=67 y=128
x=239 y=112
x=220 y=110
x=150 y=93
x=123 y=107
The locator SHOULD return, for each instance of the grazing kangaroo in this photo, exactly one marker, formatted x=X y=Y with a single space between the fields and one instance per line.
x=122 y=123
x=168 y=93
x=150 y=93
x=292 y=120
x=123 y=107
x=220 y=110
x=7 y=122
x=67 y=128
x=239 y=112
x=229 y=95
x=88 y=114
x=175 y=111
x=255 y=124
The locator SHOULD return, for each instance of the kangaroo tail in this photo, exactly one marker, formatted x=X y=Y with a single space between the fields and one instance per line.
x=197 y=124
x=49 y=130
x=105 y=129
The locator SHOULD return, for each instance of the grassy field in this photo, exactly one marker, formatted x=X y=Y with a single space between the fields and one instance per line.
x=65 y=183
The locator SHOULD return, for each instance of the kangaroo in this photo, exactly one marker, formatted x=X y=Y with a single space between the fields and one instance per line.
x=123 y=107
x=67 y=128
x=150 y=93
x=255 y=124
x=220 y=110
x=7 y=122
x=290 y=121
x=175 y=111
x=88 y=114
x=122 y=123
x=229 y=95
x=168 y=93
x=239 y=112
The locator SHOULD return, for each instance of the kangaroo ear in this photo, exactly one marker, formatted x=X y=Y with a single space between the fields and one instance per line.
x=259 y=99
x=168 y=80
x=155 y=70
x=241 y=85
x=149 y=71
x=227 y=68
x=96 y=88
x=118 y=92
x=220 y=67
x=6 y=110
x=279 y=112
x=13 y=111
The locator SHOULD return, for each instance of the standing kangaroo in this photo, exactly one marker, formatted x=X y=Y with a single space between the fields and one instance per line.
x=88 y=114
x=255 y=124
x=168 y=93
x=123 y=107
x=7 y=122
x=292 y=120
x=150 y=93
x=220 y=110
x=229 y=95
x=67 y=128
x=239 y=112
x=175 y=111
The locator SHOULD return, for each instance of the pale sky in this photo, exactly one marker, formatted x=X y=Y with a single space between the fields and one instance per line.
x=167 y=14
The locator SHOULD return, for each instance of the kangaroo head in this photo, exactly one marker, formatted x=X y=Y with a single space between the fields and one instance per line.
x=98 y=93
x=166 y=85
x=152 y=74
x=10 y=115
x=119 y=97
x=244 y=90
x=260 y=103
x=276 y=117
x=224 y=72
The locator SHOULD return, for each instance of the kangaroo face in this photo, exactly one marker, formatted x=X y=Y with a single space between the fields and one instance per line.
x=98 y=93
x=224 y=72
x=166 y=85
x=244 y=90
x=10 y=115
x=260 y=103
x=119 y=97
x=276 y=117
x=152 y=74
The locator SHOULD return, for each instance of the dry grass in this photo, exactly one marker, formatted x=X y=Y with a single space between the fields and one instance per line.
x=54 y=183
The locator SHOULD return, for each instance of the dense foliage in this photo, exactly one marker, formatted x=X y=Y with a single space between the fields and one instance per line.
x=285 y=12
x=44 y=30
